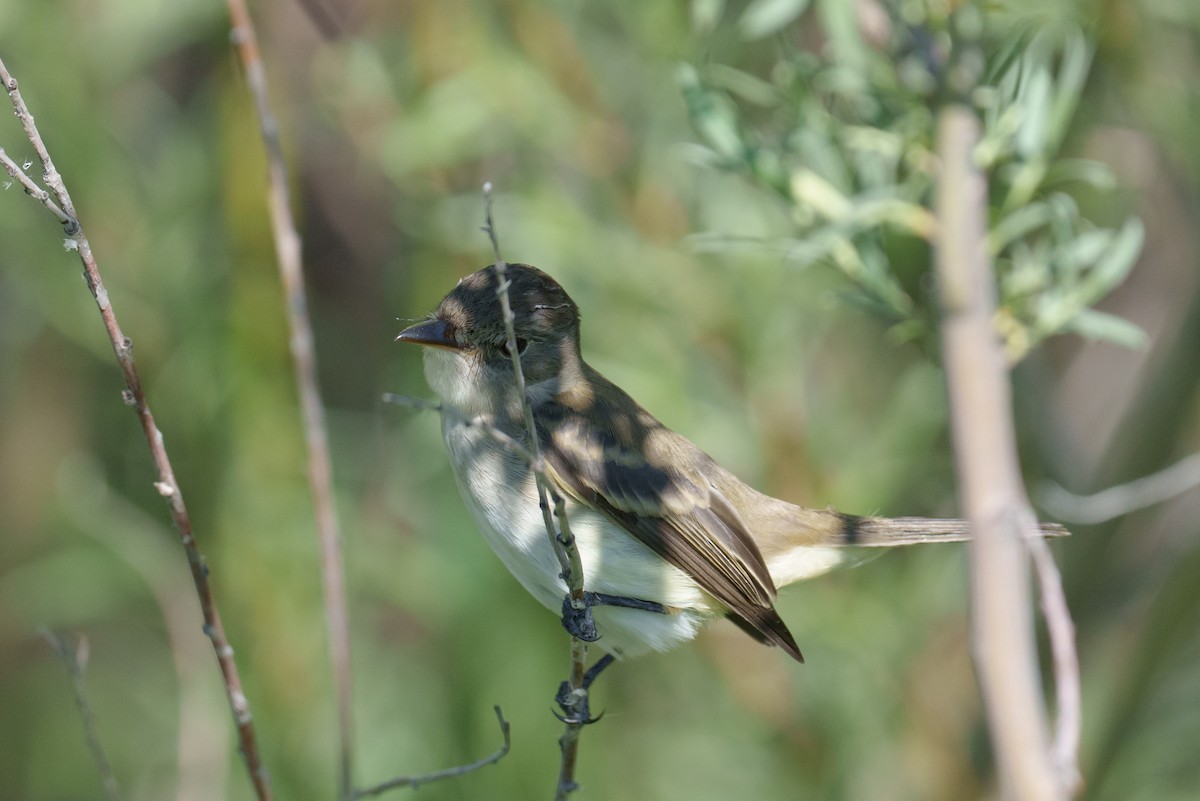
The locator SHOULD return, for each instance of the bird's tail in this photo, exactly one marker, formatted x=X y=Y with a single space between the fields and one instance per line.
x=884 y=532
x=812 y=542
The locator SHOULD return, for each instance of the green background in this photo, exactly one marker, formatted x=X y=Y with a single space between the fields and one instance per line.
x=572 y=109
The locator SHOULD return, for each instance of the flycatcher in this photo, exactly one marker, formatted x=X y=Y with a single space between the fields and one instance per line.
x=668 y=538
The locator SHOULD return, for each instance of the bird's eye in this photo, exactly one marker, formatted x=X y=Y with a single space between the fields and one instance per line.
x=521 y=345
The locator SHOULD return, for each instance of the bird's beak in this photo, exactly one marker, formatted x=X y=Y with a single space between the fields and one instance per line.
x=435 y=333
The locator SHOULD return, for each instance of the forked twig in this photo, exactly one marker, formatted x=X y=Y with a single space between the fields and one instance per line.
x=437 y=775
x=316 y=438
x=166 y=485
x=1002 y=522
x=32 y=189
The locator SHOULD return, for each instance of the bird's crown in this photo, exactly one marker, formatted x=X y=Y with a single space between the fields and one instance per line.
x=541 y=308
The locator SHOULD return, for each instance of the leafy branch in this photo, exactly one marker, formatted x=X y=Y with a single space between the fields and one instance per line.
x=845 y=142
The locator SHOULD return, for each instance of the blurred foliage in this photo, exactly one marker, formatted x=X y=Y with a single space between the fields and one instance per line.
x=844 y=137
x=575 y=111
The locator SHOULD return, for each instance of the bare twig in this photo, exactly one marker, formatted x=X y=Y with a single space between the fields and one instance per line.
x=433 y=406
x=76 y=659
x=134 y=536
x=32 y=189
x=49 y=172
x=166 y=485
x=449 y=773
x=1061 y=628
x=991 y=489
x=561 y=539
x=291 y=273
x=1122 y=499
x=568 y=555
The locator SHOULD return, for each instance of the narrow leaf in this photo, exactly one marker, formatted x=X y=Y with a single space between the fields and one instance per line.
x=764 y=17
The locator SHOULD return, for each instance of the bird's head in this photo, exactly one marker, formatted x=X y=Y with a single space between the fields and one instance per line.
x=467 y=358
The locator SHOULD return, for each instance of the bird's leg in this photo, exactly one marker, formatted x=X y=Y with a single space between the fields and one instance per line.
x=575 y=704
x=578 y=620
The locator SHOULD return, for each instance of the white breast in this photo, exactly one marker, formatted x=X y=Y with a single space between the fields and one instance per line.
x=499 y=489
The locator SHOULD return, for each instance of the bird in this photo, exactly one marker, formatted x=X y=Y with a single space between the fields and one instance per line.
x=668 y=538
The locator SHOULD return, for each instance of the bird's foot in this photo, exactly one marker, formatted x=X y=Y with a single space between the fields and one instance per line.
x=577 y=619
x=574 y=702
x=574 y=706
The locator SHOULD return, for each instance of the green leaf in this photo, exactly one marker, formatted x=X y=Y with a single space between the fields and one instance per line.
x=1073 y=69
x=706 y=14
x=819 y=247
x=813 y=191
x=712 y=113
x=1034 y=101
x=839 y=19
x=1085 y=249
x=764 y=17
x=817 y=150
x=1018 y=225
x=1116 y=263
x=1108 y=327
x=746 y=86
x=1093 y=173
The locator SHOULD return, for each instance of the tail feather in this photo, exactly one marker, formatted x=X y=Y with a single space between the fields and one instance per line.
x=799 y=544
x=883 y=532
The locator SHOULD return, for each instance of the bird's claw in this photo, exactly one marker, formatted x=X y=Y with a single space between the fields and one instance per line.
x=579 y=622
x=574 y=705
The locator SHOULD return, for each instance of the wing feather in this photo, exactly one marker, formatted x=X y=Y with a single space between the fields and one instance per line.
x=651 y=482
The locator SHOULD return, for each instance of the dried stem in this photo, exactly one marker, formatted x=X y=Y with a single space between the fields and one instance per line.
x=32 y=189
x=433 y=406
x=134 y=536
x=291 y=273
x=560 y=537
x=166 y=484
x=1122 y=499
x=449 y=773
x=1061 y=628
x=76 y=659
x=993 y=496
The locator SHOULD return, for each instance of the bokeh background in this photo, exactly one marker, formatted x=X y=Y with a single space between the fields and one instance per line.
x=392 y=119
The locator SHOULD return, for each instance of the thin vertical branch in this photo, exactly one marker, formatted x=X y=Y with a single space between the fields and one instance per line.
x=989 y=476
x=75 y=659
x=166 y=485
x=560 y=537
x=291 y=273
x=568 y=743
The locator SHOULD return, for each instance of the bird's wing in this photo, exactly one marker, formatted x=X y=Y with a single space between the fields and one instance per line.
x=651 y=481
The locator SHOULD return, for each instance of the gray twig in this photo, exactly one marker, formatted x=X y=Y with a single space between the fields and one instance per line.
x=166 y=485
x=560 y=537
x=449 y=773
x=76 y=660
x=32 y=189
x=1122 y=499
x=1061 y=628
x=433 y=406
